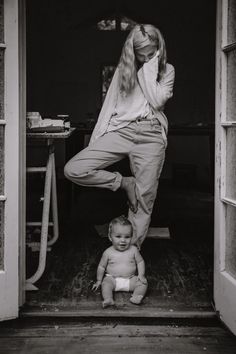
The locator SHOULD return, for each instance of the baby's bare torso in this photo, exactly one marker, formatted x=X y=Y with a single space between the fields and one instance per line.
x=121 y=264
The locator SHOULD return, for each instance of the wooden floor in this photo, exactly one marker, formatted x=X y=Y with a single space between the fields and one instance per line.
x=179 y=277
x=177 y=317
x=71 y=336
x=179 y=270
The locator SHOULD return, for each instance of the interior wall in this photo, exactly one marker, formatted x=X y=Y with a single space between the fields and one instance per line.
x=65 y=53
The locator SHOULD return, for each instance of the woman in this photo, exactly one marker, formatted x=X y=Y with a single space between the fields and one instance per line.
x=131 y=123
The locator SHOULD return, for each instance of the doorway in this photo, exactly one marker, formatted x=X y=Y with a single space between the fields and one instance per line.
x=64 y=61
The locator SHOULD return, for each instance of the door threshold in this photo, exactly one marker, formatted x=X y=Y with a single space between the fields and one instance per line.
x=117 y=312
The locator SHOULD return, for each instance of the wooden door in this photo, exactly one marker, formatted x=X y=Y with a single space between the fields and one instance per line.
x=10 y=157
x=225 y=179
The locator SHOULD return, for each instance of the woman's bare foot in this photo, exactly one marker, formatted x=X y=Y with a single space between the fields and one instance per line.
x=129 y=185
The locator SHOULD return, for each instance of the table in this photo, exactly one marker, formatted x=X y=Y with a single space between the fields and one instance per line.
x=50 y=196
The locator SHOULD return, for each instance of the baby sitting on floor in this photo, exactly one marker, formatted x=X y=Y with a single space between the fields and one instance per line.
x=121 y=267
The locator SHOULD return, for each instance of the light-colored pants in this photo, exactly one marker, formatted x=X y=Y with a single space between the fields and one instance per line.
x=143 y=143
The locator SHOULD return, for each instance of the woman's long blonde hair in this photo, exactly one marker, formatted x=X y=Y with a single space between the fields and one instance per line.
x=128 y=64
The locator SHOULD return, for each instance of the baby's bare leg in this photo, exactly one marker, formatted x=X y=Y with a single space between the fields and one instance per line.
x=139 y=290
x=108 y=286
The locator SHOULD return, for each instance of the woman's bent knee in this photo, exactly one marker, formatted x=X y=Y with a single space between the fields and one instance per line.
x=68 y=170
x=75 y=169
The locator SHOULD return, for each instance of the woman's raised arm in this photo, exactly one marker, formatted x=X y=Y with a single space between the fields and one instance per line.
x=156 y=92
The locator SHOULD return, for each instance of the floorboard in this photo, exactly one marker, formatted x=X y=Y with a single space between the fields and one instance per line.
x=34 y=337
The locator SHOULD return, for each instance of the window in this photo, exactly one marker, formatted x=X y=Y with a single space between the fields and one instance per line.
x=119 y=23
x=126 y=24
x=107 y=25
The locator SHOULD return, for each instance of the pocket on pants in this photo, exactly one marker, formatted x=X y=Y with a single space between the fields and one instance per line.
x=156 y=130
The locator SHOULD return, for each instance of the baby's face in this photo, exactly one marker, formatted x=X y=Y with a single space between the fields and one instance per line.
x=121 y=237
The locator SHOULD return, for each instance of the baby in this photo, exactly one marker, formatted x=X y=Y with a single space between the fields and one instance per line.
x=117 y=268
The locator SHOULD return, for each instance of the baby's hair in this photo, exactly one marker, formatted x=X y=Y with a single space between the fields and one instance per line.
x=120 y=220
x=128 y=65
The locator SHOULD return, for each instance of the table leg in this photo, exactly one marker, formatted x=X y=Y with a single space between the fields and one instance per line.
x=54 y=205
x=44 y=230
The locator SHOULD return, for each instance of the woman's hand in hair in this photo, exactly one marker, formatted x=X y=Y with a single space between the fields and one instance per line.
x=156 y=55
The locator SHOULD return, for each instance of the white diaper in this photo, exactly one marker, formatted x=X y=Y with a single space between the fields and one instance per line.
x=122 y=284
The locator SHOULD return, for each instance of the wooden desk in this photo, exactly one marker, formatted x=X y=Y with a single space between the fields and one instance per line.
x=50 y=196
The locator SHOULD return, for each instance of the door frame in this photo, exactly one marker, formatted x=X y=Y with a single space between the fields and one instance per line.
x=224 y=283
x=22 y=150
x=21 y=140
x=14 y=160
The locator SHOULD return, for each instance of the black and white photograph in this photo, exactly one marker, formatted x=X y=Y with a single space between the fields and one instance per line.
x=117 y=176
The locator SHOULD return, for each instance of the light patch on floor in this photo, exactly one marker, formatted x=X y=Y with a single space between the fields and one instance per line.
x=153 y=232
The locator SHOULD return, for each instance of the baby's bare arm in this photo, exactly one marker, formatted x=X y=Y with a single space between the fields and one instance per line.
x=140 y=266
x=101 y=270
